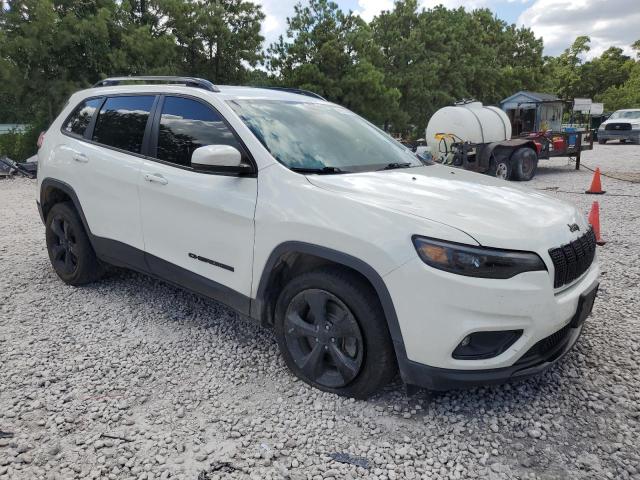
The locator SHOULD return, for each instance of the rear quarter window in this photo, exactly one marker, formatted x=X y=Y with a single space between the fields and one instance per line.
x=81 y=116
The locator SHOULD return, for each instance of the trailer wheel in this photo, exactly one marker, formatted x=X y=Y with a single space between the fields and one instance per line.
x=501 y=168
x=525 y=163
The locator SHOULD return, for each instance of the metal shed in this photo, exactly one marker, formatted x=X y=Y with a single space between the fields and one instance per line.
x=533 y=112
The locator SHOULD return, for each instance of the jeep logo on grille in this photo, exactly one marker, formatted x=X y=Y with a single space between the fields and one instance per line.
x=617 y=127
x=573 y=227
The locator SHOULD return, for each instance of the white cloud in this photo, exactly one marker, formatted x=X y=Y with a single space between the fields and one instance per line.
x=468 y=4
x=370 y=8
x=275 y=23
x=607 y=22
x=271 y=24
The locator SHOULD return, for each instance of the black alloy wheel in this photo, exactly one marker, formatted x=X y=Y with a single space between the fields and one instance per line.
x=64 y=248
x=70 y=250
x=323 y=338
x=333 y=334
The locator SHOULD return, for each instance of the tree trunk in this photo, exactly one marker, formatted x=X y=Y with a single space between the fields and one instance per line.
x=217 y=63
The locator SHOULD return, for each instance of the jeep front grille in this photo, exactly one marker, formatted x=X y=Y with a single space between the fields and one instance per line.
x=570 y=261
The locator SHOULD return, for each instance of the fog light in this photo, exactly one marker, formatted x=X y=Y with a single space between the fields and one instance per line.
x=481 y=345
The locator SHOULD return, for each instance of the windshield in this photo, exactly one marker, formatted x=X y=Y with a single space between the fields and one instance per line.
x=320 y=137
x=629 y=114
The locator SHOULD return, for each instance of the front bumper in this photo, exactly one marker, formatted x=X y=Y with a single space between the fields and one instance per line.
x=433 y=378
x=631 y=135
x=436 y=310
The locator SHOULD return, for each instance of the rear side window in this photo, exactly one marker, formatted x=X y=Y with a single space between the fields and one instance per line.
x=80 y=118
x=122 y=121
x=185 y=125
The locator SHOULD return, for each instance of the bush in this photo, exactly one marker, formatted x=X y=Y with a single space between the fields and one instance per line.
x=19 y=146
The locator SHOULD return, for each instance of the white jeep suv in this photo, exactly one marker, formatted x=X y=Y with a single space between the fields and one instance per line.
x=303 y=216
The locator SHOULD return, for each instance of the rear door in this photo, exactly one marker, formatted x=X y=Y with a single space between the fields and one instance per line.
x=198 y=226
x=111 y=158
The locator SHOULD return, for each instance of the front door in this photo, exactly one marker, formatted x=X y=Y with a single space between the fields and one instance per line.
x=198 y=227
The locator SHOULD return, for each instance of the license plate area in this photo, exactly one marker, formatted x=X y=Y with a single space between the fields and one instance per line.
x=585 y=305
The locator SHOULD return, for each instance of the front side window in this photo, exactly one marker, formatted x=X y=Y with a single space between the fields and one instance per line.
x=80 y=118
x=186 y=125
x=122 y=121
x=321 y=137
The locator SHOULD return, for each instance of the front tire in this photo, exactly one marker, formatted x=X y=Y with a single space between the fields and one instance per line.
x=602 y=141
x=70 y=251
x=332 y=333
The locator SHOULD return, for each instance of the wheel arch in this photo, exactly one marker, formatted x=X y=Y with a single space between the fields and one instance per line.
x=54 y=191
x=506 y=148
x=291 y=258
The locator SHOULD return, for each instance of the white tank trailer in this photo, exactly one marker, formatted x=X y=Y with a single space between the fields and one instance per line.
x=478 y=138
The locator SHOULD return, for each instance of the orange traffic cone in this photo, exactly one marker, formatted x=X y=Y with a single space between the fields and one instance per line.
x=596 y=187
x=594 y=220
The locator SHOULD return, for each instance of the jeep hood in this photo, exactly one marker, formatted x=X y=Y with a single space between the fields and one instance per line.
x=496 y=213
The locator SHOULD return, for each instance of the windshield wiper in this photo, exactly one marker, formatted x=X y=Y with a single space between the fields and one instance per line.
x=394 y=165
x=319 y=171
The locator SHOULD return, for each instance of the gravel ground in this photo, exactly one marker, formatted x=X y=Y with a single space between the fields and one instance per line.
x=132 y=378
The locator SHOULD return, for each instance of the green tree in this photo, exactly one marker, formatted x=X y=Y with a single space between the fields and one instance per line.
x=627 y=94
x=612 y=68
x=564 y=72
x=435 y=57
x=38 y=38
x=217 y=39
x=333 y=54
x=51 y=48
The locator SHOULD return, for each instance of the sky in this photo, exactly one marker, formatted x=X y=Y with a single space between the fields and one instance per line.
x=558 y=22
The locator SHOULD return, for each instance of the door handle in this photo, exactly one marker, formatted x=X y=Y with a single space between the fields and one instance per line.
x=80 y=157
x=155 y=178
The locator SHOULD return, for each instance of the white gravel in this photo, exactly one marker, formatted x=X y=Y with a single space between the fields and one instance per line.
x=132 y=378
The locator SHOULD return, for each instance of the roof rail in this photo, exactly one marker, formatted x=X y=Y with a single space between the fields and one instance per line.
x=299 y=91
x=187 y=81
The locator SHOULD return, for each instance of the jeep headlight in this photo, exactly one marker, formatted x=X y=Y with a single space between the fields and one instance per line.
x=475 y=261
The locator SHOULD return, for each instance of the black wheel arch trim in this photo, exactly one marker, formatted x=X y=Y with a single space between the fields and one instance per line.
x=70 y=192
x=258 y=305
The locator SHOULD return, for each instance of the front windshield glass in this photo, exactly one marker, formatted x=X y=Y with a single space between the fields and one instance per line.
x=630 y=114
x=322 y=137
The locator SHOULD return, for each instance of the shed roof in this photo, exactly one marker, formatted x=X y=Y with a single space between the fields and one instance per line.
x=532 y=97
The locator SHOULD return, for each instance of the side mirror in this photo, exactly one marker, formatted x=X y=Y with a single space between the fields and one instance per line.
x=219 y=158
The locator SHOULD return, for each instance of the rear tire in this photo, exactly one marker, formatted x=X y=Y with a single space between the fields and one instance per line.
x=70 y=251
x=333 y=334
x=525 y=163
